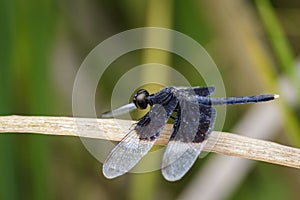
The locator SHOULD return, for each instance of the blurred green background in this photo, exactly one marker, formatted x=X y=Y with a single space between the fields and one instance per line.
x=255 y=44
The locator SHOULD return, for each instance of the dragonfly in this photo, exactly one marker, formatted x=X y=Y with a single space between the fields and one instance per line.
x=194 y=121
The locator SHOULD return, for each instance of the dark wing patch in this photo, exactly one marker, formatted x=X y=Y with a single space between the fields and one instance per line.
x=201 y=91
x=206 y=122
x=139 y=141
x=193 y=123
x=150 y=126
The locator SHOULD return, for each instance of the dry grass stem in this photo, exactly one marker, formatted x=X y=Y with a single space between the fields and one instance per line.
x=114 y=129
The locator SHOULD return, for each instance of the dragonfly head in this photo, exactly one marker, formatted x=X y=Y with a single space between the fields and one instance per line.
x=140 y=99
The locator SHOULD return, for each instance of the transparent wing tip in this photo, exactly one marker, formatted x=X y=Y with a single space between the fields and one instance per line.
x=110 y=173
x=119 y=111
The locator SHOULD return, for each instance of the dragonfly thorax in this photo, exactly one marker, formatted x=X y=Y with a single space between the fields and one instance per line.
x=140 y=99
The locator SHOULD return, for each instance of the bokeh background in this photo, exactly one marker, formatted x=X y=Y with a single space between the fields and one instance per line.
x=255 y=44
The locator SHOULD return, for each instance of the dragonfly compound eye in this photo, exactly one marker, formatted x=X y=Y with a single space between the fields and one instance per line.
x=140 y=99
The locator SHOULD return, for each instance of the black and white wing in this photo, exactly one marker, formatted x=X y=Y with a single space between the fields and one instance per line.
x=201 y=91
x=192 y=125
x=140 y=140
